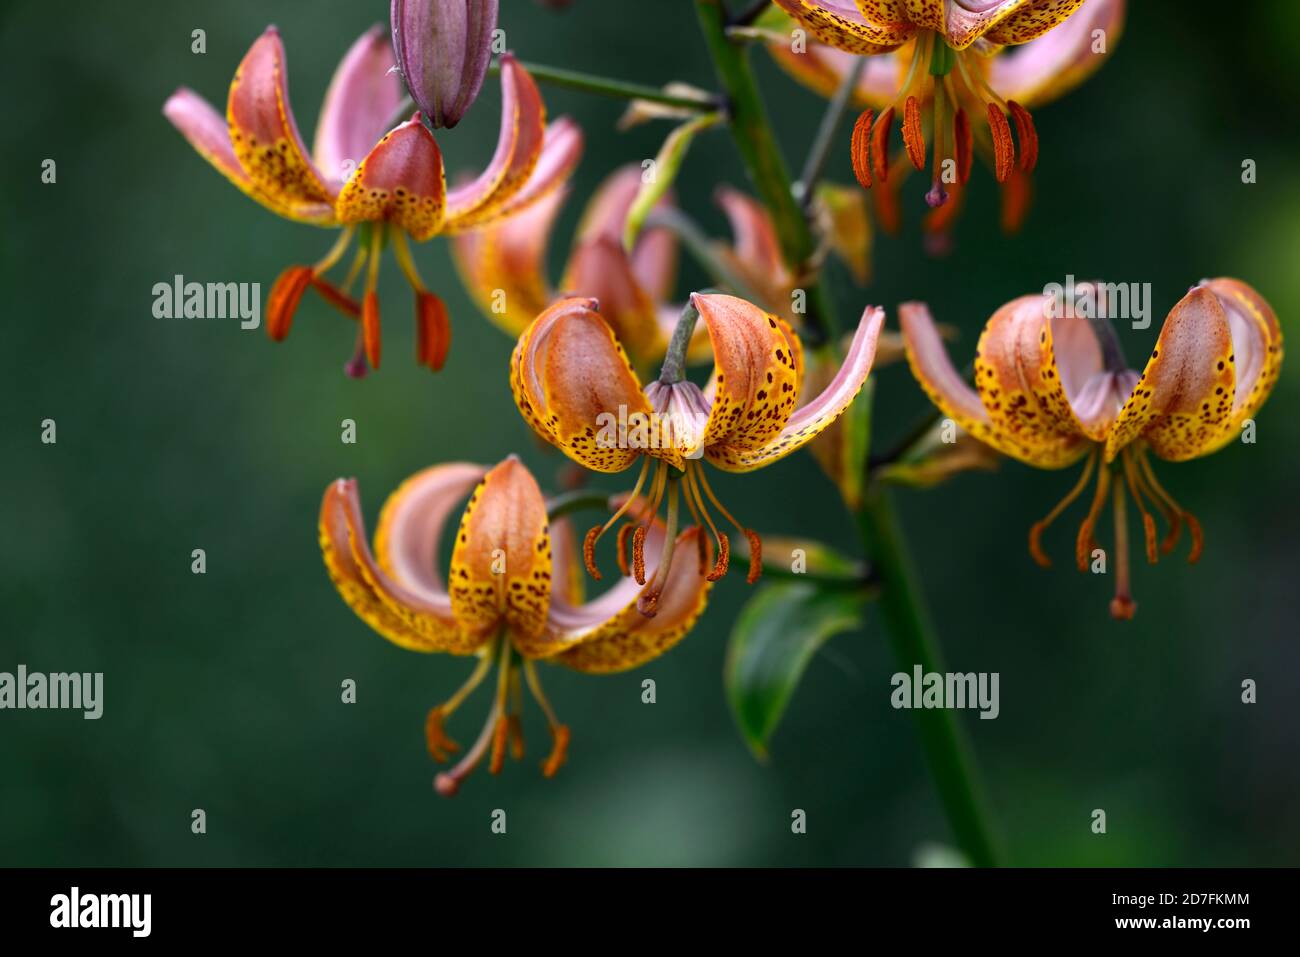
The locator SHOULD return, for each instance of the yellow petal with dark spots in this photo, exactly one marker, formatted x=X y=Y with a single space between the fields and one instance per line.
x=1256 y=349
x=1183 y=401
x=839 y=23
x=501 y=563
x=1030 y=20
x=401 y=181
x=756 y=373
x=573 y=383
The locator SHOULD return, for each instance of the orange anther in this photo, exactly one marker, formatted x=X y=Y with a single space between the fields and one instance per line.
x=880 y=144
x=283 y=301
x=1027 y=134
x=913 y=138
x=860 y=149
x=370 y=327
x=1004 y=153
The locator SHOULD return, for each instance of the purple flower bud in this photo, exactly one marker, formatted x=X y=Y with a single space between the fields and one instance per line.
x=442 y=49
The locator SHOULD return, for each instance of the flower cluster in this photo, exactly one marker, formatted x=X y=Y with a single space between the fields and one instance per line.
x=1051 y=387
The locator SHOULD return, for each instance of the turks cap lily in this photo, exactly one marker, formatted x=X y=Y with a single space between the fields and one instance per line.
x=945 y=87
x=1031 y=74
x=509 y=598
x=1052 y=387
x=398 y=188
x=575 y=386
x=443 y=48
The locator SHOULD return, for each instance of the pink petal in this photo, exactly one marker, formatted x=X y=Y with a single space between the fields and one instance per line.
x=358 y=105
x=926 y=351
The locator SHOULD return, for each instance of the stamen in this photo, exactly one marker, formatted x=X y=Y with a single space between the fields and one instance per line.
x=337 y=298
x=1017 y=192
x=880 y=145
x=432 y=331
x=701 y=545
x=1026 y=134
x=596 y=531
x=435 y=737
x=1122 y=606
x=1148 y=523
x=638 y=554
x=1036 y=530
x=1171 y=517
x=937 y=195
x=336 y=252
x=1193 y=526
x=1084 y=544
x=514 y=721
x=1003 y=150
x=589 y=551
x=283 y=301
x=623 y=533
x=913 y=138
x=370 y=302
x=559 y=732
x=724 y=548
x=755 y=544
x=860 y=149
x=648 y=602
x=502 y=728
x=357 y=367
x=963 y=140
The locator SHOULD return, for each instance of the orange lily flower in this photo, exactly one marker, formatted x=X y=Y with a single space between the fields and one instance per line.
x=575 y=386
x=1051 y=389
x=932 y=68
x=396 y=187
x=511 y=600
x=504 y=264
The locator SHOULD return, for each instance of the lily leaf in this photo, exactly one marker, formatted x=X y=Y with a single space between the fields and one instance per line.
x=775 y=637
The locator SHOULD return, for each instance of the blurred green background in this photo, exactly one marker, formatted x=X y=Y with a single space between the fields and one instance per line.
x=222 y=690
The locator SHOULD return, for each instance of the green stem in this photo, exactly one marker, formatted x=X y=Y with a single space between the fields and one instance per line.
x=903 y=607
x=673 y=369
x=902 y=604
x=830 y=125
x=758 y=149
x=605 y=86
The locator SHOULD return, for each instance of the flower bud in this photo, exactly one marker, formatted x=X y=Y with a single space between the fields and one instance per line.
x=442 y=49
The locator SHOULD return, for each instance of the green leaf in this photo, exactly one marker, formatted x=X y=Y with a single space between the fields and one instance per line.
x=775 y=637
x=659 y=177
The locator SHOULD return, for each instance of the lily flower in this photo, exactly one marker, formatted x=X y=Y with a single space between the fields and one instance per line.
x=507 y=599
x=575 y=386
x=933 y=69
x=443 y=48
x=396 y=187
x=1052 y=387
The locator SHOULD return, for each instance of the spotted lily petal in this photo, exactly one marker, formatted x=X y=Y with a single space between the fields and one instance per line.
x=561 y=150
x=600 y=268
x=401 y=181
x=609 y=633
x=413 y=612
x=503 y=264
x=359 y=102
x=842 y=25
x=208 y=132
x=567 y=372
x=654 y=257
x=443 y=49
x=815 y=416
x=1044 y=69
x=501 y=563
x=1256 y=347
x=523 y=128
x=756 y=382
x=264 y=134
x=1027 y=20
x=1183 y=402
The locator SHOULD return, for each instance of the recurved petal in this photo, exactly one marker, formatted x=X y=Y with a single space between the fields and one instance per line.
x=1028 y=19
x=756 y=376
x=411 y=524
x=519 y=145
x=503 y=264
x=1256 y=347
x=501 y=563
x=358 y=104
x=264 y=134
x=561 y=152
x=401 y=181
x=755 y=245
x=609 y=634
x=570 y=378
x=813 y=417
x=654 y=258
x=1183 y=402
x=208 y=132
x=419 y=621
x=1021 y=385
x=1044 y=69
x=842 y=25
